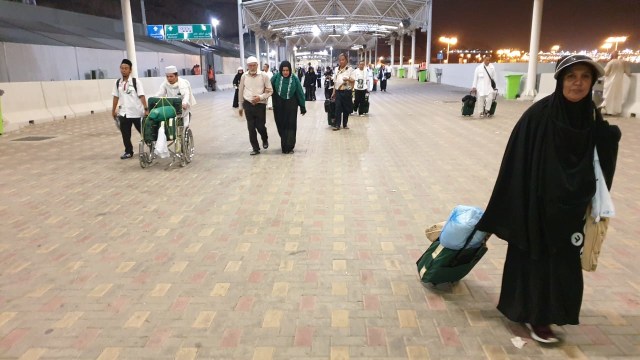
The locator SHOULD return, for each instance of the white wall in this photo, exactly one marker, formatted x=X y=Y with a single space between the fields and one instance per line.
x=461 y=75
x=27 y=62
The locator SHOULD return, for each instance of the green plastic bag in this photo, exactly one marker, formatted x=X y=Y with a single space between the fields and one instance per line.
x=441 y=265
x=162 y=113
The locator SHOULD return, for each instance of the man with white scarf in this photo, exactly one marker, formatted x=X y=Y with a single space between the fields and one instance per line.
x=175 y=86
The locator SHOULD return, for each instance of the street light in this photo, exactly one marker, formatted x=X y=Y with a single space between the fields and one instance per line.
x=607 y=46
x=215 y=23
x=616 y=40
x=555 y=48
x=449 y=41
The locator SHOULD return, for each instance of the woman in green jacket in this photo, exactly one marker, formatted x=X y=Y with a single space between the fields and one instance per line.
x=287 y=96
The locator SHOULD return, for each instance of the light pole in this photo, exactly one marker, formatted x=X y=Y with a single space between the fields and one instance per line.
x=616 y=40
x=449 y=41
x=215 y=22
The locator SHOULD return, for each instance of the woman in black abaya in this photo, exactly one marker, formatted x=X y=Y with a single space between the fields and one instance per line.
x=236 y=84
x=287 y=96
x=539 y=201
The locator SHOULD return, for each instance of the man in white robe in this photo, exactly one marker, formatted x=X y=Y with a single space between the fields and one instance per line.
x=265 y=69
x=482 y=85
x=614 y=92
x=175 y=86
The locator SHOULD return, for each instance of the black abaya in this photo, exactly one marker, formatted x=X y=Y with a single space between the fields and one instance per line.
x=285 y=113
x=544 y=186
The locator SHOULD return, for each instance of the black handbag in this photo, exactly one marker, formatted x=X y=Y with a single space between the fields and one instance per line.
x=493 y=83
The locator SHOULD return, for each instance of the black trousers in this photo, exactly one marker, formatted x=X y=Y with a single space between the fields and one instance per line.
x=359 y=99
x=344 y=107
x=235 y=99
x=327 y=93
x=125 y=130
x=285 y=113
x=383 y=85
x=310 y=94
x=256 y=116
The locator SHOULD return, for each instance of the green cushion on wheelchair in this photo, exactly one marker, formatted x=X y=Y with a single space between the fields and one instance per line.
x=162 y=113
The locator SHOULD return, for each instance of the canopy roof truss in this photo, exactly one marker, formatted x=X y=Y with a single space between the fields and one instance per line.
x=342 y=24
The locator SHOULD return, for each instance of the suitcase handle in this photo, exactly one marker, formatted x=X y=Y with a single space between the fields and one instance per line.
x=454 y=261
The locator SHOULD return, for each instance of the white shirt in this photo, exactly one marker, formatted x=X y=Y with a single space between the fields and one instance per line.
x=129 y=103
x=481 y=80
x=339 y=75
x=362 y=79
x=181 y=89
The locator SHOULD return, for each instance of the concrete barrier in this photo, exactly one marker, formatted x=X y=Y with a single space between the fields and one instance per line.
x=23 y=103
x=224 y=81
x=84 y=97
x=546 y=87
x=55 y=98
x=631 y=107
x=105 y=86
x=197 y=83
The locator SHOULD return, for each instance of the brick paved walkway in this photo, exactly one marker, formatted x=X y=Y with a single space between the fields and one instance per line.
x=304 y=256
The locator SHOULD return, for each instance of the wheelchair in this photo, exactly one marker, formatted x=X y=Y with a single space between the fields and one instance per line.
x=179 y=137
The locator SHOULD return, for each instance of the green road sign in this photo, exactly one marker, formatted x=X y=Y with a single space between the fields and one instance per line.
x=187 y=31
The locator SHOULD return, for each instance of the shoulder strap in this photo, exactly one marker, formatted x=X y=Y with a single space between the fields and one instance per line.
x=485 y=69
x=135 y=85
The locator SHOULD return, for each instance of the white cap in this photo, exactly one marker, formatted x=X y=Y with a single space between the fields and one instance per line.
x=567 y=61
x=251 y=60
x=170 y=70
x=240 y=68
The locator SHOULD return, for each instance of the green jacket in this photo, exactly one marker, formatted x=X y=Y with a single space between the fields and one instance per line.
x=289 y=87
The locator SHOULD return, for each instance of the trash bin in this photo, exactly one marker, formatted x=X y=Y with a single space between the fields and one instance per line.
x=438 y=75
x=513 y=86
x=401 y=72
x=422 y=76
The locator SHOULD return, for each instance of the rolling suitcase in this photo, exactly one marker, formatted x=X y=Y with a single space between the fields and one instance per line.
x=468 y=104
x=440 y=265
x=330 y=109
x=494 y=104
x=364 y=106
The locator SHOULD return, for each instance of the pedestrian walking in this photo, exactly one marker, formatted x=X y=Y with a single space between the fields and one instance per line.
x=545 y=184
x=287 y=97
x=254 y=90
x=484 y=84
x=614 y=92
x=343 y=83
x=129 y=106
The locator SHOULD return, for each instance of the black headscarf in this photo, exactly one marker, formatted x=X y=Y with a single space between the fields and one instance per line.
x=283 y=65
x=547 y=179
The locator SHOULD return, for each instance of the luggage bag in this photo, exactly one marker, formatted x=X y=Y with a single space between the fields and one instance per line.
x=441 y=265
x=330 y=109
x=468 y=104
x=363 y=108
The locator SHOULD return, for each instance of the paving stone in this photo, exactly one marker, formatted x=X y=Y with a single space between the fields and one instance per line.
x=304 y=256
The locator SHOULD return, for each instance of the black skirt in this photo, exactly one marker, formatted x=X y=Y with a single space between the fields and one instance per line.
x=544 y=291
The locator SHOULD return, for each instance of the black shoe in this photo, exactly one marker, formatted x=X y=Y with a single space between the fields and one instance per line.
x=346 y=127
x=254 y=152
x=336 y=128
x=126 y=156
x=265 y=145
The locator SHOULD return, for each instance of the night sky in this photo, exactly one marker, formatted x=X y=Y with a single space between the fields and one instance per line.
x=481 y=24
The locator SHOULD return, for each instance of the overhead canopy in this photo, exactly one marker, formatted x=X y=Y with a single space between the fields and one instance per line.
x=342 y=24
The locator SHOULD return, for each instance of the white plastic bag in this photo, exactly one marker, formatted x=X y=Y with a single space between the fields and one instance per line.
x=161 y=144
x=461 y=223
x=601 y=204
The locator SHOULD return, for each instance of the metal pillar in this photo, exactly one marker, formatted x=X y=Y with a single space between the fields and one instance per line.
x=413 y=54
x=241 y=35
x=534 y=47
x=429 y=15
x=128 y=36
x=144 y=18
x=376 y=52
x=401 y=48
x=257 y=47
x=393 y=50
